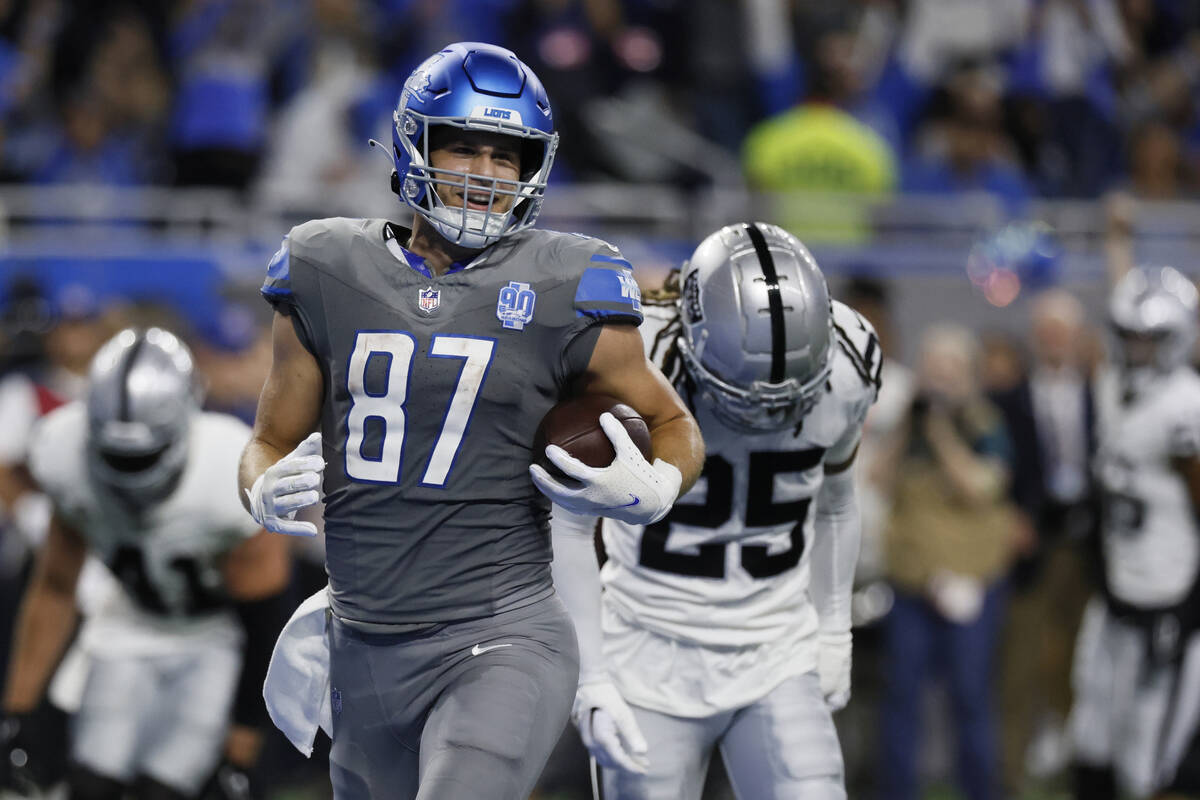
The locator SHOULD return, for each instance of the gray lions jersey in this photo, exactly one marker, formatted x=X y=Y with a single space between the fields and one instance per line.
x=434 y=387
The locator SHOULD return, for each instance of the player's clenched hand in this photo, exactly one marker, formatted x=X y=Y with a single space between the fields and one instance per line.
x=630 y=489
x=833 y=667
x=287 y=486
x=608 y=728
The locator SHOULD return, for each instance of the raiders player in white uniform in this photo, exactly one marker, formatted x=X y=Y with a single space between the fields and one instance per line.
x=1137 y=660
x=142 y=479
x=727 y=623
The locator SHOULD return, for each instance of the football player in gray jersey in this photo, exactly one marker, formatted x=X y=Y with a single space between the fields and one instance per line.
x=416 y=365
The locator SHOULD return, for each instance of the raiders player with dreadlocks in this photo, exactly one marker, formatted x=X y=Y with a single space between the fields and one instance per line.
x=727 y=623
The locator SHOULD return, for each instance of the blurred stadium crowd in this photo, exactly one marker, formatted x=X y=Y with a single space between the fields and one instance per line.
x=1024 y=100
x=1052 y=98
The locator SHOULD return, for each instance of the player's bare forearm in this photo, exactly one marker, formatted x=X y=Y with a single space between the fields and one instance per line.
x=256 y=457
x=679 y=442
x=46 y=620
x=289 y=407
x=44 y=628
x=619 y=367
x=258 y=567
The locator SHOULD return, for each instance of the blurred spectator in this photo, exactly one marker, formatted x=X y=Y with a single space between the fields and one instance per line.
x=1157 y=170
x=82 y=323
x=606 y=65
x=719 y=71
x=948 y=547
x=233 y=353
x=820 y=148
x=871 y=297
x=110 y=97
x=89 y=150
x=1051 y=420
x=773 y=58
x=938 y=34
x=1001 y=363
x=319 y=158
x=842 y=78
x=967 y=149
x=222 y=53
x=1063 y=77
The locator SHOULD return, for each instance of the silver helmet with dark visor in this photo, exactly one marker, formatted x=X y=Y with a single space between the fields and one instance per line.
x=757 y=326
x=141 y=399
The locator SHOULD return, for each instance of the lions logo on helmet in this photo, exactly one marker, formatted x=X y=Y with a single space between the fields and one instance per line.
x=757 y=326
x=1152 y=313
x=140 y=402
x=479 y=87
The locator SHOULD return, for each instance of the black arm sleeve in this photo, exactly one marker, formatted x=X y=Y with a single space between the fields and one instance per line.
x=262 y=620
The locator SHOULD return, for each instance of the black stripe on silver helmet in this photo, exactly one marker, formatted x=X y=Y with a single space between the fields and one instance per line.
x=757 y=326
x=141 y=397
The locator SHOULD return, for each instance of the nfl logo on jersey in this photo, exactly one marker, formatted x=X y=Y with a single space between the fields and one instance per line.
x=429 y=299
x=514 y=307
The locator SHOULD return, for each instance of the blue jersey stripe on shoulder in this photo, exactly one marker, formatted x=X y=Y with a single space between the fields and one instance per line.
x=605 y=291
x=278 y=283
x=278 y=266
x=612 y=260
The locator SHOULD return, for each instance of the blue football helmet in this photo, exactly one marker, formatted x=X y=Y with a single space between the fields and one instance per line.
x=479 y=87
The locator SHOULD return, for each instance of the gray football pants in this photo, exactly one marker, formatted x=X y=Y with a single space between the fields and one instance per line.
x=784 y=747
x=455 y=711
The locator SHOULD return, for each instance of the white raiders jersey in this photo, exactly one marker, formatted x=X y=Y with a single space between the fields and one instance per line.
x=728 y=567
x=166 y=557
x=1150 y=537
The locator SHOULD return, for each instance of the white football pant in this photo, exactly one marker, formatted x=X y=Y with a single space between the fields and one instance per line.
x=783 y=747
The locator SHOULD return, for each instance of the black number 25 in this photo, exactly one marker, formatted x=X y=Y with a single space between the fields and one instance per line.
x=761 y=509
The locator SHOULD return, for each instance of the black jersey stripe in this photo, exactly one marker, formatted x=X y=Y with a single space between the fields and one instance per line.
x=774 y=302
x=131 y=356
x=861 y=363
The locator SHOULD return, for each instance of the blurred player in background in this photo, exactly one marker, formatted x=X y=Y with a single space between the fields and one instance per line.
x=1136 y=715
x=425 y=359
x=727 y=623
x=145 y=481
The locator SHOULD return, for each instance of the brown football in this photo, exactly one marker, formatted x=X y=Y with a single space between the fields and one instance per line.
x=574 y=425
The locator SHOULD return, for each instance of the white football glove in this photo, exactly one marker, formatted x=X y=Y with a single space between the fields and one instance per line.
x=833 y=667
x=630 y=489
x=287 y=486
x=608 y=728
